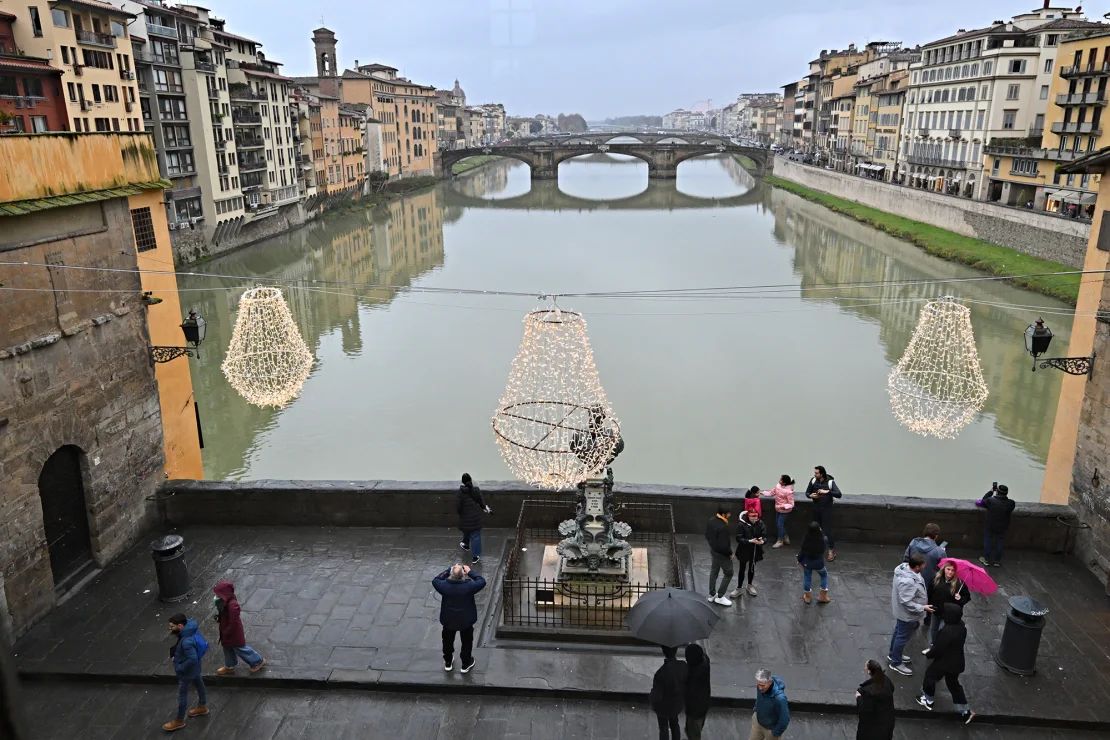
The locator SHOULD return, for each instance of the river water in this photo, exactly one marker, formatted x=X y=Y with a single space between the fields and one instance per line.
x=714 y=391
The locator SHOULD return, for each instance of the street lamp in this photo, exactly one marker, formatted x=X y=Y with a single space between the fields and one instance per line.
x=194 y=328
x=1037 y=339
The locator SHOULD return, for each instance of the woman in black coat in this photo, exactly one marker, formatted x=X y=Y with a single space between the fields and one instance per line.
x=875 y=705
x=697 y=690
x=946 y=588
x=470 y=507
x=668 y=694
x=947 y=662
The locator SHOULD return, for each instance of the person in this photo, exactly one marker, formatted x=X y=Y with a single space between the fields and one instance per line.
x=909 y=600
x=772 y=710
x=783 y=493
x=928 y=546
x=720 y=550
x=999 y=510
x=697 y=690
x=457 y=612
x=751 y=500
x=668 y=694
x=751 y=533
x=945 y=588
x=470 y=507
x=187 y=655
x=946 y=658
x=822 y=490
x=232 y=639
x=811 y=557
x=875 y=705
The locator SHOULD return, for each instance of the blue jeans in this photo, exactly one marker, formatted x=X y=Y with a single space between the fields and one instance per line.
x=473 y=541
x=780 y=523
x=903 y=631
x=992 y=546
x=183 y=694
x=247 y=653
x=807 y=578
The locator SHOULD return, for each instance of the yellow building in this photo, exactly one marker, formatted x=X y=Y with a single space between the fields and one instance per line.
x=351 y=151
x=89 y=41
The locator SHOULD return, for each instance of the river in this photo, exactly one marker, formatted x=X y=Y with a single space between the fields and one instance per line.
x=710 y=392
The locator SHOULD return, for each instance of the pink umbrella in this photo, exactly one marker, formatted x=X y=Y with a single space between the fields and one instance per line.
x=976 y=578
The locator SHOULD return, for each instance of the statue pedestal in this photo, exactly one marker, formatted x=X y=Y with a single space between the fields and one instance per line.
x=559 y=588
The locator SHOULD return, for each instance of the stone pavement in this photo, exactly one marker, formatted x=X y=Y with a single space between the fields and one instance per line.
x=348 y=606
x=135 y=711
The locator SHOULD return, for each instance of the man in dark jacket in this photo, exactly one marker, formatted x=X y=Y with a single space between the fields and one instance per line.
x=668 y=694
x=232 y=639
x=720 y=550
x=186 y=658
x=822 y=491
x=930 y=548
x=697 y=690
x=947 y=662
x=999 y=509
x=875 y=705
x=772 y=710
x=458 y=612
x=471 y=507
x=751 y=533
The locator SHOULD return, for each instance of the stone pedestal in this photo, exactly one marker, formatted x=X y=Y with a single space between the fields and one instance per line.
x=559 y=589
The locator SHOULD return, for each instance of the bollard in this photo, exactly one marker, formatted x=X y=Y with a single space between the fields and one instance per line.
x=169 y=565
x=1021 y=636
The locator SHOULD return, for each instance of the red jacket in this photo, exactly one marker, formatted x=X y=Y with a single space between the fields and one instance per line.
x=231 y=625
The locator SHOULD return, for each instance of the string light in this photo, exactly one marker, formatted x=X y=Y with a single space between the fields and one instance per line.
x=937 y=387
x=267 y=360
x=554 y=425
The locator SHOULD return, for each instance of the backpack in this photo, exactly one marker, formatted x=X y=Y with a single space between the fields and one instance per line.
x=201 y=643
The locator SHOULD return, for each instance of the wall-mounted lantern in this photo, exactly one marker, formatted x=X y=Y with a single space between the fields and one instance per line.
x=1037 y=339
x=194 y=328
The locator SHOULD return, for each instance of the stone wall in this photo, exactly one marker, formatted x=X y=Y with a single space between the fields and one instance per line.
x=865 y=518
x=1034 y=233
x=74 y=370
x=1090 y=488
x=191 y=245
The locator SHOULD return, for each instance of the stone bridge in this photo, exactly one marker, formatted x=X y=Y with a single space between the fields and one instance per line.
x=546 y=196
x=662 y=152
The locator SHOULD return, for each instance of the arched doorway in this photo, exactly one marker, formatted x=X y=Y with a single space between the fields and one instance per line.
x=62 y=494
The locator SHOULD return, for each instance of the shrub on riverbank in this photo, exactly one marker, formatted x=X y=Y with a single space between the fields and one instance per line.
x=472 y=163
x=982 y=255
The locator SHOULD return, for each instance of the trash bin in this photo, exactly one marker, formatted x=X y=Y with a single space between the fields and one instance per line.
x=1021 y=636
x=169 y=565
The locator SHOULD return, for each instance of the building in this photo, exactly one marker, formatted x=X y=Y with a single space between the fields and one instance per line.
x=451 y=121
x=81 y=441
x=828 y=78
x=879 y=94
x=765 y=117
x=977 y=86
x=31 y=97
x=90 y=42
x=301 y=105
x=788 y=119
x=493 y=123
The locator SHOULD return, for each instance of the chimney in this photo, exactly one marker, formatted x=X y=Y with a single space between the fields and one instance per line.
x=1046 y=2
x=356 y=64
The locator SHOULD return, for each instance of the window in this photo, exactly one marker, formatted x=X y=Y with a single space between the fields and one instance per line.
x=96 y=93
x=15 y=125
x=38 y=124
x=1048 y=66
x=118 y=30
x=143 y=225
x=36 y=22
x=1017 y=66
x=987 y=66
x=61 y=18
x=1044 y=92
x=975 y=70
x=72 y=90
x=1012 y=92
x=8 y=86
x=1009 y=117
x=1051 y=39
x=994 y=169
x=103 y=124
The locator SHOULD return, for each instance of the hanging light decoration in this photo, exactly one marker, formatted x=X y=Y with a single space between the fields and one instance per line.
x=937 y=387
x=267 y=361
x=554 y=425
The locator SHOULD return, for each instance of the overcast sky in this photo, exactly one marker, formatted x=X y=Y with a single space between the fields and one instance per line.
x=601 y=58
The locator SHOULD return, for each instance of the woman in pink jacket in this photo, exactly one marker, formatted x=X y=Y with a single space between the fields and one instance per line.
x=784 y=504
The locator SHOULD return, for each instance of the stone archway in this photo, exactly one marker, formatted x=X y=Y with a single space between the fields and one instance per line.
x=65 y=515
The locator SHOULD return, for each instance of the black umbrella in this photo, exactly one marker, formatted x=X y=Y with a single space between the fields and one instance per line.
x=671 y=617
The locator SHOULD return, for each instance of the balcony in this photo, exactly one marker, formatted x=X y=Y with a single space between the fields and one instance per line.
x=182 y=144
x=1074 y=127
x=249 y=142
x=1089 y=70
x=213 y=94
x=172 y=115
x=95 y=38
x=221 y=144
x=126 y=74
x=955 y=133
x=243 y=92
x=180 y=170
x=155 y=29
x=1092 y=98
x=935 y=161
x=1065 y=155
x=247 y=119
x=169 y=88
x=923 y=133
x=252 y=165
x=202 y=66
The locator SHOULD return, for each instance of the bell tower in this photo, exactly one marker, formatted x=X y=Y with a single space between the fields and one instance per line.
x=324 y=41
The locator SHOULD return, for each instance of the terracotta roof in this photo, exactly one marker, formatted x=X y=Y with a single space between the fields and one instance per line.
x=231 y=35
x=21 y=207
x=7 y=16
x=97 y=5
x=28 y=63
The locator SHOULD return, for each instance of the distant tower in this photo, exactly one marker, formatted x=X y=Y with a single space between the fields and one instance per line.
x=457 y=92
x=324 y=41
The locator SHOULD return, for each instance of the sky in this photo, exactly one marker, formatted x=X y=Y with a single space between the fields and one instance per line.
x=601 y=58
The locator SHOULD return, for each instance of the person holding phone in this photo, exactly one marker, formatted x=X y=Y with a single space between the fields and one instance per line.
x=751 y=533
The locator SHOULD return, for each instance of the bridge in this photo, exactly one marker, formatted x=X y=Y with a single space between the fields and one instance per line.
x=546 y=196
x=662 y=152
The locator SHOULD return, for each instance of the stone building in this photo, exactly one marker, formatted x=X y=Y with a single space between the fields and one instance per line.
x=81 y=441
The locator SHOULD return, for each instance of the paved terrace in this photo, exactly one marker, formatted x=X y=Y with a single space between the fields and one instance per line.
x=354 y=608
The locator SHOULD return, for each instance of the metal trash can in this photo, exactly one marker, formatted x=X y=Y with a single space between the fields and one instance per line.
x=1021 y=636
x=169 y=565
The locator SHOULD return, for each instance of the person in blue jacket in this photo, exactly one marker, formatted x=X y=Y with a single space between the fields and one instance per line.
x=187 y=657
x=772 y=711
x=458 y=612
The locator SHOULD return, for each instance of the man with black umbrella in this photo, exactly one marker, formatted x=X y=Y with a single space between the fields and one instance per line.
x=668 y=694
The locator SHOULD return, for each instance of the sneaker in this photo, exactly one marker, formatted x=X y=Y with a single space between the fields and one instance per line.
x=994 y=565
x=260 y=666
x=907 y=659
x=476 y=559
x=967 y=717
x=723 y=601
x=448 y=664
x=464 y=546
x=925 y=702
x=983 y=560
x=712 y=597
x=752 y=591
x=224 y=671
x=466 y=668
x=734 y=593
x=926 y=650
x=777 y=545
x=905 y=670
x=786 y=540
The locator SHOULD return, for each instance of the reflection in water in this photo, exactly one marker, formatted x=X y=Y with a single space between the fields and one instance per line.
x=603 y=176
x=711 y=391
x=701 y=176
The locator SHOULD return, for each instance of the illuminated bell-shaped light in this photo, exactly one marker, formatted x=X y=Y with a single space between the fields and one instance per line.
x=267 y=361
x=554 y=425
x=937 y=387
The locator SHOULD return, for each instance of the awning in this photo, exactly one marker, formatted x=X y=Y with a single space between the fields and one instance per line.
x=1087 y=199
x=1051 y=193
x=872 y=167
x=957 y=178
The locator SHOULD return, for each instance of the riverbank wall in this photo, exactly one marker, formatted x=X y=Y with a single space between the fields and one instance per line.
x=875 y=519
x=1030 y=232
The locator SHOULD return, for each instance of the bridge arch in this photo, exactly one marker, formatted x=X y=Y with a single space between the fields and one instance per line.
x=642 y=156
x=450 y=158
